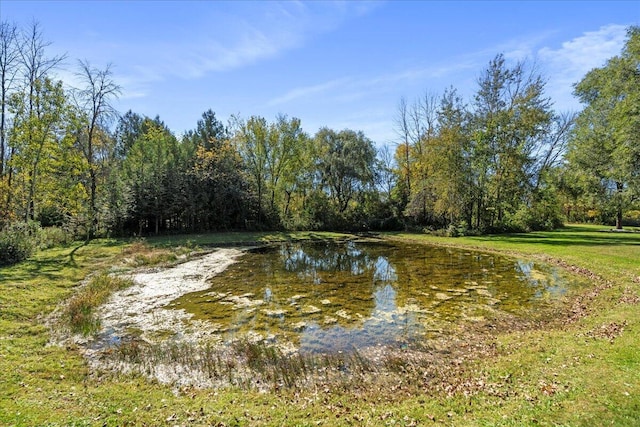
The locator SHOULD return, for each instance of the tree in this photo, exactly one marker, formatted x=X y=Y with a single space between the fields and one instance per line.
x=128 y=130
x=210 y=131
x=416 y=125
x=253 y=139
x=403 y=158
x=146 y=169
x=9 y=65
x=39 y=126
x=218 y=192
x=423 y=119
x=387 y=172
x=94 y=105
x=605 y=143
x=346 y=165
x=287 y=142
x=511 y=115
x=36 y=105
x=23 y=55
x=450 y=156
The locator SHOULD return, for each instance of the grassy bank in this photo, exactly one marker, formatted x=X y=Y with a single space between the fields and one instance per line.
x=582 y=369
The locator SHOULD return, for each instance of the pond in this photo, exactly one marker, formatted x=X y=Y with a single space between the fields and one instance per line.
x=329 y=297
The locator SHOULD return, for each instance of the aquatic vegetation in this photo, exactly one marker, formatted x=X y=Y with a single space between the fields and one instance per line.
x=324 y=298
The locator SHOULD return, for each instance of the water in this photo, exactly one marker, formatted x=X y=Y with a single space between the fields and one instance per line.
x=328 y=297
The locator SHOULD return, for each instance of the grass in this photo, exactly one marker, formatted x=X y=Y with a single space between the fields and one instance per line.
x=582 y=369
x=239 y=238
x=80 y=312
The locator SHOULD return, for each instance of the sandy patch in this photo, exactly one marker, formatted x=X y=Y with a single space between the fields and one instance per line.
x=140 y=307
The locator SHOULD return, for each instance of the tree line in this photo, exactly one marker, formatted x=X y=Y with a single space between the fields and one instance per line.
x=503 y=160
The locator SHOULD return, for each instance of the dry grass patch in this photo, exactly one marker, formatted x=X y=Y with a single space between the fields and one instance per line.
x=139 y=253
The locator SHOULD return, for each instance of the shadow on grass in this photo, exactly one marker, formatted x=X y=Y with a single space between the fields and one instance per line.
x=52 y=264
x=72 y=255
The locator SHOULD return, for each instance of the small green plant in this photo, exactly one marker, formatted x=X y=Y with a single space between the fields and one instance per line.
x=80 y=311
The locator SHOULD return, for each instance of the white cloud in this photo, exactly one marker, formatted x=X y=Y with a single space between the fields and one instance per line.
x=244 y=37
x=568 y=64
x=351 y=88
x=586 y=52
x=562 y=66
x=305 y=91
x=231 y=38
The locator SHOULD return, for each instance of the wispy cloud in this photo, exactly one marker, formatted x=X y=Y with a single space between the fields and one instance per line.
x=562 y=66
x=350 y=88
x=568 y=64
x=590 y=50
x=242 y=38
x=306 y=91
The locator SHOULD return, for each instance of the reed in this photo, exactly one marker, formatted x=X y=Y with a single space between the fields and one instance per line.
x=80 y=311
x=248 y=364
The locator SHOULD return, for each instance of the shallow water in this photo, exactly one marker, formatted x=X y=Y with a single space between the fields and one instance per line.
x=327 y=297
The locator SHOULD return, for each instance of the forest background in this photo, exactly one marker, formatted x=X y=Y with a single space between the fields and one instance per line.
x=71 y=166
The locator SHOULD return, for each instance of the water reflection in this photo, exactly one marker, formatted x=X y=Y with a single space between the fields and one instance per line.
x=328 y=297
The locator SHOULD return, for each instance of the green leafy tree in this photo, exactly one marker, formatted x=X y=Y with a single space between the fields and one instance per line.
x=605 y=142
x=9 y=67
x=37 y=134
x=218 y=195
x=346 y=165
x=24 y=66
x=129 y=128
x=146 y=169
x=285 y=161
x=449 y=157
x=253 y=140
x=511 y=115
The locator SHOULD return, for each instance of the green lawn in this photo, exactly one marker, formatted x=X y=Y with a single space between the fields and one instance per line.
x=584 y=371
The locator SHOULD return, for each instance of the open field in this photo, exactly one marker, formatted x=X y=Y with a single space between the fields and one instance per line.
x=582 y=368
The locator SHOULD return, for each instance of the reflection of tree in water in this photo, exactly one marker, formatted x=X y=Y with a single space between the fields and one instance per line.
x=332 y=277
x=318 y=258
x=332 y=296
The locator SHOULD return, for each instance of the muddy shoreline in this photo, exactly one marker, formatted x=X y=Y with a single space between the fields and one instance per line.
x=139 y=308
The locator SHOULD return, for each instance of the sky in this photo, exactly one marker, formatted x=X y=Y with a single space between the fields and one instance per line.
x=342 y=65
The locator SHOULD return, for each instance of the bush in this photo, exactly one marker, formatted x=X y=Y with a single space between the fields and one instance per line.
x=631 y=217
x=55 y=236
x=458 y=230
x=18 y=241
x=537 y=218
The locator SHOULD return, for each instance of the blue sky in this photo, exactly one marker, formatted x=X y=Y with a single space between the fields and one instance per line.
x=337 y=64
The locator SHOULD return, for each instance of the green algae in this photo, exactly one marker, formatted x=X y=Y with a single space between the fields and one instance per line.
x=327 y=297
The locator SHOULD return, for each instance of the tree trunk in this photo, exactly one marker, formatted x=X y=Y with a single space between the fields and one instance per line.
x=619 y=187
x=9 y=182
x=288 y=201
x=93 y=217
x=619 y=219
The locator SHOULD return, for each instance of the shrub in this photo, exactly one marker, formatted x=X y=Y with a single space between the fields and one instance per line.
x=18 y=241
x=457 y=230
x=631 y=217
x=55 y=236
